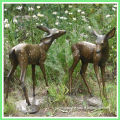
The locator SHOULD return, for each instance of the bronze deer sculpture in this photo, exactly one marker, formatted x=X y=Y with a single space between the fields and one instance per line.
x=35 y=54
x=91 y=53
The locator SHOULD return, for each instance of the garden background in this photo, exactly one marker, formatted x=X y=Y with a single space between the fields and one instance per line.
x=20 y=21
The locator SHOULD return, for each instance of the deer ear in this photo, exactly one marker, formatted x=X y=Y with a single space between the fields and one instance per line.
x=110 y=34
x=43 y=28
x=95 y=33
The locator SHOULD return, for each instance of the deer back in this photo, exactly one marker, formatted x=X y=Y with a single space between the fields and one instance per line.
x=28 y=53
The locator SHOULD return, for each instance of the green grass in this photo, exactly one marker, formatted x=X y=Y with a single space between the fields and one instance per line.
x=110 y=105
x=58 y=95
x=9 y=107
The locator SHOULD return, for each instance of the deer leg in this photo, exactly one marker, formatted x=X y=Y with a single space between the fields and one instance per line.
x=8 y=79
x=33 y=78
x=103 y=80
x=75 y=62
x=42 y=67
x=22 y=77
x=82 y=72
x=96 y=68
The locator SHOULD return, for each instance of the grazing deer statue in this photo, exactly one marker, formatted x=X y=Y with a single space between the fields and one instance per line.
x=35 y=54
x=91 y=53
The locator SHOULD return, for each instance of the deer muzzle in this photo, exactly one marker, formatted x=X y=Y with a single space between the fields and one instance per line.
x=62 y=32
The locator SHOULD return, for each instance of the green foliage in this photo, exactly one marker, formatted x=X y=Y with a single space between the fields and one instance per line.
x=75 y=19
x=9 y=107
x=58 y=94
x=110 y=104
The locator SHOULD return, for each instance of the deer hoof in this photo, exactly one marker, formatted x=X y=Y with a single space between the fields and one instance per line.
x=32 y=109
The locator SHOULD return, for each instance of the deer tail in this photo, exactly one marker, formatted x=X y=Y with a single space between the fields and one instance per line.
x=12 y=56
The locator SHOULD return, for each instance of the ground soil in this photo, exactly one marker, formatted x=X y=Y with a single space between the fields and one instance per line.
x=76 y=109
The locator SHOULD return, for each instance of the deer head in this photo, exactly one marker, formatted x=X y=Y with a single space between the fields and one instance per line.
x=102 y=40
x=52 y=33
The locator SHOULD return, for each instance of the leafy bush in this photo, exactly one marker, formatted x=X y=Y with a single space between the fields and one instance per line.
x=58 y=94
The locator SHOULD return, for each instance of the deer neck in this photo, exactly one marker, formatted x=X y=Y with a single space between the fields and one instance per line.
x=105 y=53
x=46 y=43
x=106 y=49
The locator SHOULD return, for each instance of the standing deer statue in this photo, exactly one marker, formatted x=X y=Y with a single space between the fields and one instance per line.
x=35 y=54
x=97 y=54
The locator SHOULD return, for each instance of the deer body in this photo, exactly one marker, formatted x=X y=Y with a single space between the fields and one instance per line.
x=35 y=54
x=87 y=52
x=97 y=54
x=30 y=53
